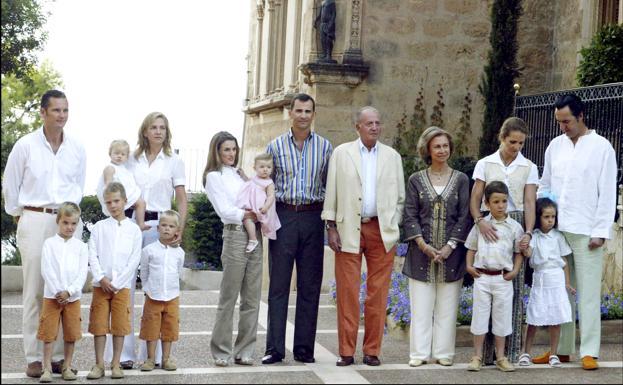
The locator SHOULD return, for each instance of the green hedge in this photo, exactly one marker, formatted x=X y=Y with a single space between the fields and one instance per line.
x=601 y=60
x=203 y=236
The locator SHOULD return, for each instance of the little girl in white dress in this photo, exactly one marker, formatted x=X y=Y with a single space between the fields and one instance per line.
x=548 y=304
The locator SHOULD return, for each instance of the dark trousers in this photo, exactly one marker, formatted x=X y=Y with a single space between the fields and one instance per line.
x=300 y=239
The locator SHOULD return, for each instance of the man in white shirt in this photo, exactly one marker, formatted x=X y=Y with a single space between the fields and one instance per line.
x=363 y=205
x=580 y=173
x=44 y=169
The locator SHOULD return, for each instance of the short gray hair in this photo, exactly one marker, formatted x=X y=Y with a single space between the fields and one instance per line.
x=429 y=134
x=360 y=112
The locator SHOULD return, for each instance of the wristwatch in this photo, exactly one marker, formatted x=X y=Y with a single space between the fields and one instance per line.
x=330 y=225
x=452 y=243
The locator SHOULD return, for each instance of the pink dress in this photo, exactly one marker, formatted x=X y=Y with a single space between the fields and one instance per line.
x=252 y=196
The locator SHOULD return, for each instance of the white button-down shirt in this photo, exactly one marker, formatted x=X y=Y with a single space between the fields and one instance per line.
x=158 y=180
x=368 y=171
x=520 y=160
x=36 y=176
x=222 y=188
x=161 y=270
x=498 y=255
x=115 y=251
x=64 y=266
x=583 y=180
x=548 y=250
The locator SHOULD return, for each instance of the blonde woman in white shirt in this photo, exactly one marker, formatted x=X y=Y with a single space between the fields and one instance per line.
x=521 y=176
x=242 y=271
x=161 y=269
x=44 y=169
x=64 y=267
x=160 y=175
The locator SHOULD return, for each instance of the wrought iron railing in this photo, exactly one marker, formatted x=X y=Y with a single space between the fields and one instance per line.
x=604 y=113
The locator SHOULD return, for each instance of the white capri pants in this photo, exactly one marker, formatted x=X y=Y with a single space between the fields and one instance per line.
x=493 y=297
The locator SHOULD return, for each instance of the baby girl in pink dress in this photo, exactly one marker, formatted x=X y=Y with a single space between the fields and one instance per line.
x=258 y=195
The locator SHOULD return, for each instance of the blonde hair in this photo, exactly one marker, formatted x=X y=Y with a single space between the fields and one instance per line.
x=171 y=214
x=114 y=187
x=118 y=144
x=263 y=157
x=143 y=143
x=214 y=159
x=68 y=209
x=429 y=134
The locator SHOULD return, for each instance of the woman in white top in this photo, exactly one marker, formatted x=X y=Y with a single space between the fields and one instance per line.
x=242 y=271
x=160 y=175
x=521 y=177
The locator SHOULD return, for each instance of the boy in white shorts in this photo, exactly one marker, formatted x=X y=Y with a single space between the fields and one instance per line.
x=493 y=266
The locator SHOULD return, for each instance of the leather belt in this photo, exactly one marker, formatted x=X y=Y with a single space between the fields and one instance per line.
x=369 y=219
x=149 y=215
x=298 y=208
x=233 y=227
x=491 y=272
x=41 y=209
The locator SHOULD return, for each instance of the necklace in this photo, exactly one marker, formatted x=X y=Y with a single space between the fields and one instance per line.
x=438 y=177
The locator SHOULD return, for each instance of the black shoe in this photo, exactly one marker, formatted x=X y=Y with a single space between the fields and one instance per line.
x=304 y=358
x=345 y=361
x=371 y=360
x=127 y=365
x=271 y=358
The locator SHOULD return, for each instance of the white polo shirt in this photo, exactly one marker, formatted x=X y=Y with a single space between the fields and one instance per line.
x=161 y=270
x=497 y=255
x=64 y=266
x=36 y=176
x=115 y=251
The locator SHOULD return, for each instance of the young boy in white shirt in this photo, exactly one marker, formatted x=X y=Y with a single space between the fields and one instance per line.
x=64 y=267
x=114 y=255
x=493 y=266
x=161 y=269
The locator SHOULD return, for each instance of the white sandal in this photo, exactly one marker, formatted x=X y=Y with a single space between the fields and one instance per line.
x=525 y=360
x=251 y=246
x=554 y=361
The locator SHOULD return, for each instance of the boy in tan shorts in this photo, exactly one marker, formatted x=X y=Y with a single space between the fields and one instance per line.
x=64 y=266
x=161 y=268
x=114 y=254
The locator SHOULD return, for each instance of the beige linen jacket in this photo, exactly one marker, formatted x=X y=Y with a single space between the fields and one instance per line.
x=344 y=194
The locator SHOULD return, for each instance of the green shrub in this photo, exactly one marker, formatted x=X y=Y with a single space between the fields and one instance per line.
x=91 y=214
x=203 y=235
x=14 y=258
x=601 y=60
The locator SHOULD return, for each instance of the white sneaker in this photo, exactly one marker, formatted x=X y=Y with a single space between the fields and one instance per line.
x=554 y=361
x=251 y=246
x=415 y=362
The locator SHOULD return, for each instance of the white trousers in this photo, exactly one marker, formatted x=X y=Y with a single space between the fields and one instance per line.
x=32 y=230
x=493 y=297
x=433 y=319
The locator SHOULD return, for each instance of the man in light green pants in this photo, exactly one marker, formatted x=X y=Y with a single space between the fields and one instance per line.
x=580 y=173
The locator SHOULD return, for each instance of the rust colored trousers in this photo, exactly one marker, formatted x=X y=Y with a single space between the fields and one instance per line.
x=348 y=280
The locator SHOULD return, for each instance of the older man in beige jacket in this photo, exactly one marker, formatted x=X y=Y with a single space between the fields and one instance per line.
x=363 y=206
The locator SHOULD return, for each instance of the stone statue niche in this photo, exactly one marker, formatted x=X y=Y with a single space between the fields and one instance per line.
x=325 y=25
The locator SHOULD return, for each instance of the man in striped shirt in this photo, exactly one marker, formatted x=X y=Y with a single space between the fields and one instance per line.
x=301 y=158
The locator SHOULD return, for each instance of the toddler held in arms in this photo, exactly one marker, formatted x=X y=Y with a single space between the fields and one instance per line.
x=258 y=195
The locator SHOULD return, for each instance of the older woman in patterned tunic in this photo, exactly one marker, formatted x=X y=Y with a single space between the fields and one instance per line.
x=436 y=223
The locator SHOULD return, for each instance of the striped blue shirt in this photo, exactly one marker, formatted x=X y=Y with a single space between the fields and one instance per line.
x=300 y=175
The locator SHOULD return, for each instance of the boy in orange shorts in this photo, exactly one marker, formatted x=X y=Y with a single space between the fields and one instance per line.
x=161 y=268
x=64 y=266
x=114 y=254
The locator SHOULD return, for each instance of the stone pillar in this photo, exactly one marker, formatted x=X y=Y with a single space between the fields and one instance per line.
x=352 y=51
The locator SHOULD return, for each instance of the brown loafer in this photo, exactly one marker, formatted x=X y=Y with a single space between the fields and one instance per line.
x=371 y=360
x=345 y=361
x=35 y=369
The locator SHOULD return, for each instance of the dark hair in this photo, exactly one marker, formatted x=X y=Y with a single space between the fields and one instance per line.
x=510 y=125
x=214 y=158
x=572 y=101
x=542 y=204
x=45 y=99
x=495 y=187
x=303 y=98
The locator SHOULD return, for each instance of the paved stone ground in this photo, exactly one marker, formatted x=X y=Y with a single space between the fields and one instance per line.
x=196 y=366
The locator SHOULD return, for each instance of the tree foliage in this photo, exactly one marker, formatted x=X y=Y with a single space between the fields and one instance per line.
x=500 y=72
x=22 y=36
x=601 y=60
x=203 y=233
